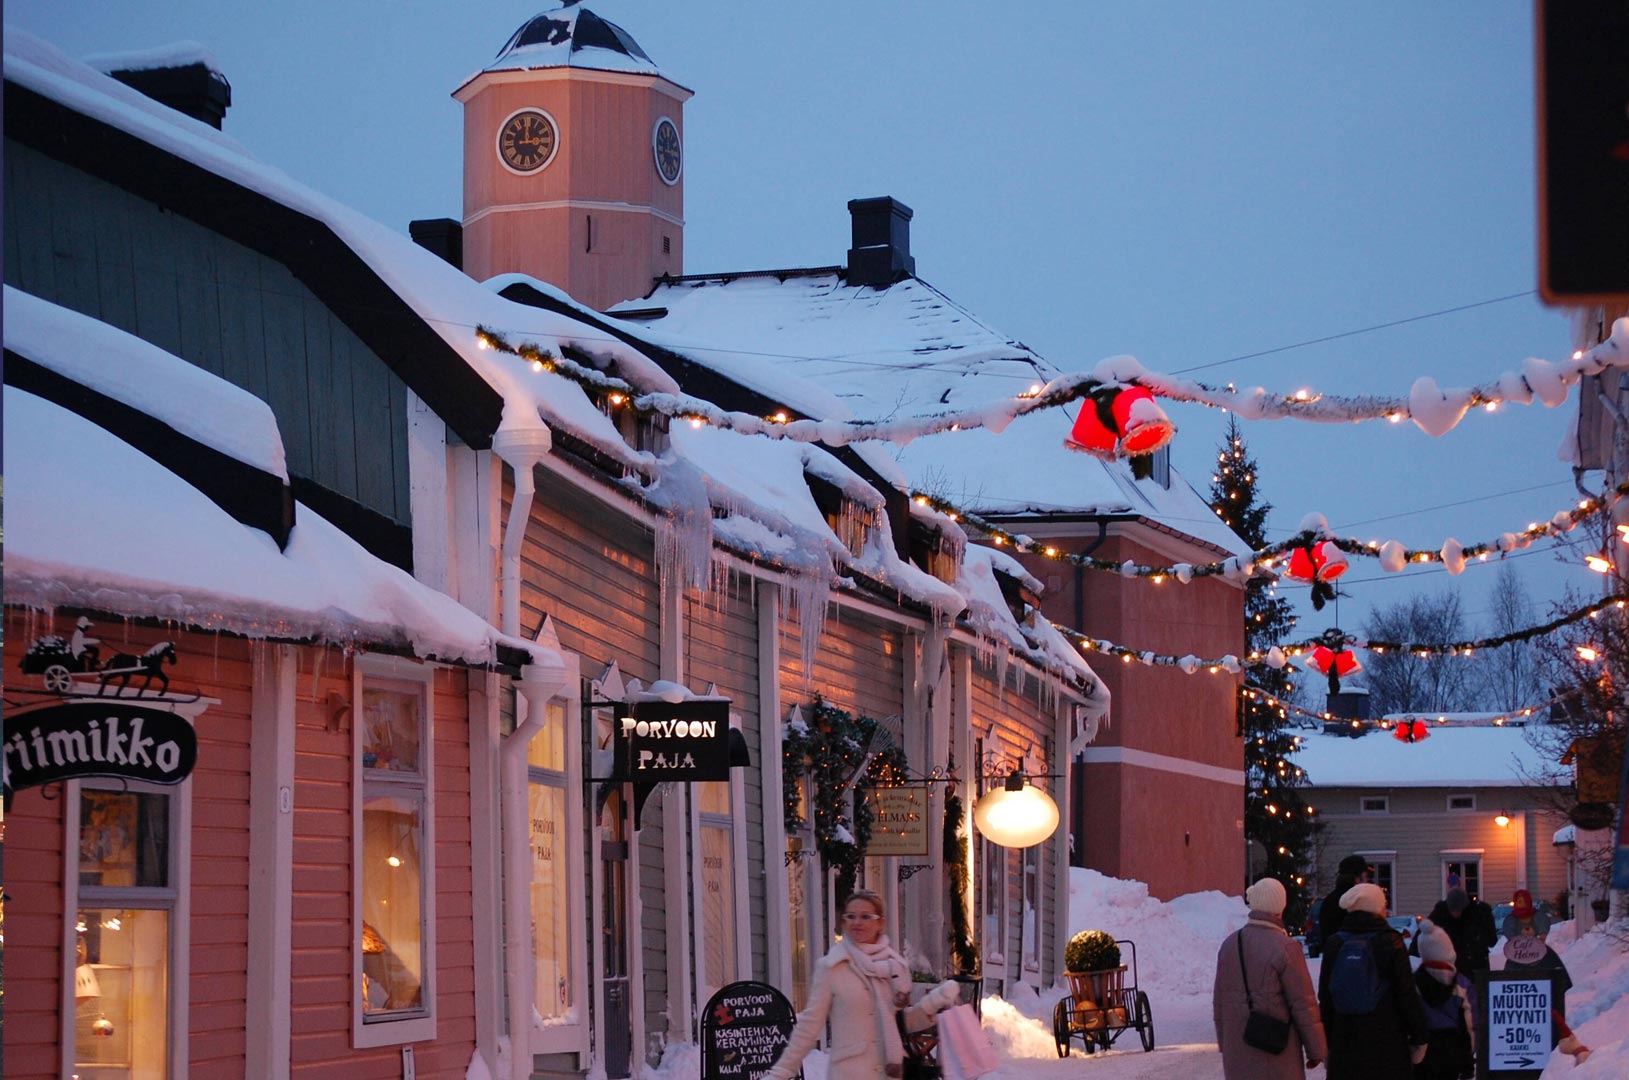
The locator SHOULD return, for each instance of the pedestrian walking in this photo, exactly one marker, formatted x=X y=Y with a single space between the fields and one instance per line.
x=1469 y=925
x=860 y=986
x=1352 y=870
x=1260 y=969
x=1371 y=1010
x=1449 y=1018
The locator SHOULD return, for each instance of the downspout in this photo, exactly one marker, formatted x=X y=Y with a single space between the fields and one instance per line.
x=1080 y=571
x=522 y=448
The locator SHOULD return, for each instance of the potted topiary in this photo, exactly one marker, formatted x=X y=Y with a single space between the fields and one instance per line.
x=1091 y=960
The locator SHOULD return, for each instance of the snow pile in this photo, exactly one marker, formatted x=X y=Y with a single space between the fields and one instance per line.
x=1598 y=1004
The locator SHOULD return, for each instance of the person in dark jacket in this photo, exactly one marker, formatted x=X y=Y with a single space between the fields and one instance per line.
x=1352 y=870
x=1384 y=1043
x=1449 y=1019
x=1469 y=925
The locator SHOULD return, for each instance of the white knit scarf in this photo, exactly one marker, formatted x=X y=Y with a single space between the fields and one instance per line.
x=877 y=964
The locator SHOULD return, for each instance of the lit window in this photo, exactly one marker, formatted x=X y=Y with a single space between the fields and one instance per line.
x=124 y=974
x=717 y=900
x=393 y=934
x=551 y=883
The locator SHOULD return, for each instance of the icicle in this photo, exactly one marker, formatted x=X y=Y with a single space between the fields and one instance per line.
x=808 y=593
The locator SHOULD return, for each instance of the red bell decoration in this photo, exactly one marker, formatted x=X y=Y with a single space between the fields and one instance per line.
x=1411 y=731
x=1337 y=664
x=1323 y=561
x=1120 y=421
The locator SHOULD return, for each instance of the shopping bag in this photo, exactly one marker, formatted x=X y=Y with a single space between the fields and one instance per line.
x=964 y=1051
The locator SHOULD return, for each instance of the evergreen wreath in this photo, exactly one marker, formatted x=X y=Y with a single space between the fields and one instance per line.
x=828 y=749
x=962 y=952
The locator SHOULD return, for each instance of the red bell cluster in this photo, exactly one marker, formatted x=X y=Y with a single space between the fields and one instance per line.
x=1411 y=731
x=1120 y=421
x=1323 y=561
x=1326 y=661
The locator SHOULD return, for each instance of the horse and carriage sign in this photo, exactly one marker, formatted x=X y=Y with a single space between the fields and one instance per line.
x=113 y=717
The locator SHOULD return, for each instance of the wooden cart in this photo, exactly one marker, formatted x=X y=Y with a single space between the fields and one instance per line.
x=1101 y=1007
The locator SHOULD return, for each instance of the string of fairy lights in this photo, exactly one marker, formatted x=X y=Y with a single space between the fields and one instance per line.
x=1286 y=709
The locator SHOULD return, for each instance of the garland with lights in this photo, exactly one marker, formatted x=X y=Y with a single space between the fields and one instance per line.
x=1392 y=555
x=962 y=952
x=1277 y=655
x=830 y=750
x=1512 y=717
x=1434 y=410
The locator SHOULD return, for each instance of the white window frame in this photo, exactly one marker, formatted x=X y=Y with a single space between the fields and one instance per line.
x=1383 y=808
x=1461 y=855
x=369 y=670
x=1452 y=809
x=175 y=898
x=1029 y=949
x=1389 y=857
x=564 y=1038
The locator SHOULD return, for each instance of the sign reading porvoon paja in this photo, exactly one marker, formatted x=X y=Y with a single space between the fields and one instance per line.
x=687 y=741
x=899 y=823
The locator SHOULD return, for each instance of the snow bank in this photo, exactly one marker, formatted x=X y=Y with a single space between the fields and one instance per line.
x=1598 y=1003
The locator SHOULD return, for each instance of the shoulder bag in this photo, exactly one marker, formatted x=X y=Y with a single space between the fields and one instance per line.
x=1266 y=1033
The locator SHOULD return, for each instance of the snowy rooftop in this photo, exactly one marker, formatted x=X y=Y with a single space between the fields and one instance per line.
x=1450 y=757
x=764 y=517
x=572 y=36
x=904 y=350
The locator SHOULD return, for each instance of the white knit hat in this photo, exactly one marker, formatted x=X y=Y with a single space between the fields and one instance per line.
x=1435 y=944
x=1365 y=897
x=1266 y=896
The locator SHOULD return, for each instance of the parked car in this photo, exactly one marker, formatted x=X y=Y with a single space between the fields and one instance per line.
x=1407 y=925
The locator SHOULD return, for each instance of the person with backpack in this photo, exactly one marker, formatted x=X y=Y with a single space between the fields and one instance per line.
x=1371 y=1010
x=1352 y=870
x=1260 y=970
x=1450 y=1022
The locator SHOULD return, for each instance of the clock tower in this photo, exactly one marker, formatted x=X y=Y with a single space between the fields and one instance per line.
x=574 y=161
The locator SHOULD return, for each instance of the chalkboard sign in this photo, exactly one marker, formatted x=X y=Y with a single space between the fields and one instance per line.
x=743 y=1030
x=1517 y=1028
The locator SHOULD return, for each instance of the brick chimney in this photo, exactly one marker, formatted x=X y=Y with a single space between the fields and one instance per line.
x=881 y=254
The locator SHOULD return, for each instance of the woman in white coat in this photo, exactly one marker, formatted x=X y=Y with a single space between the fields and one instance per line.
x=859 y=985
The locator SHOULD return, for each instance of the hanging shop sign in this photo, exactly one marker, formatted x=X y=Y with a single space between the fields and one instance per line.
x=87 y=737
x=899 y=824
x=743 y=1030
x=687 y=741
x=1519 y=1028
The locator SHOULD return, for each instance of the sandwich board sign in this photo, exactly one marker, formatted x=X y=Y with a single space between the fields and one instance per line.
x=743 y=1031
x=1518 y=1023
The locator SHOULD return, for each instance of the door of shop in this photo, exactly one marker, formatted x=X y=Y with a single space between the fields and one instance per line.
x=616 y=1001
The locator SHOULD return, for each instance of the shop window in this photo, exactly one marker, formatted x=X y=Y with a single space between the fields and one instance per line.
x=1032 y=909
x=394 y=932
x=126 y=898
x=716 y=885
x=551 y=878
x=995 y=902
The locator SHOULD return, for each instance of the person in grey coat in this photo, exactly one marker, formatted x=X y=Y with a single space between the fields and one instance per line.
x=1280 y=986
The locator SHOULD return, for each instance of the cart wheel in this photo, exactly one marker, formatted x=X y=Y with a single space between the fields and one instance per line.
x=57 y=679
x=1060 y=1027
x=1145 y=1022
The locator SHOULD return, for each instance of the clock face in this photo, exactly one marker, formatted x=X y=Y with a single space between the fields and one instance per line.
x=527 y=141
x=669 y=153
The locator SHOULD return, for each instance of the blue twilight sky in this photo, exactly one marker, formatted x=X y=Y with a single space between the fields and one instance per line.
x=1184 y=182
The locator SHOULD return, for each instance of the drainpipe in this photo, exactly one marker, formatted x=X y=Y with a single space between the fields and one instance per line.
x=522 y=449
x=1080 y=571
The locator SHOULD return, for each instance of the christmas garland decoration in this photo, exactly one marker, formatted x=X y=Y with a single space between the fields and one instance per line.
x=1278 y=655
x=1392 y=555
x=830 y=752
x=962 y=952
x=1512 y=717
x=1434 y=410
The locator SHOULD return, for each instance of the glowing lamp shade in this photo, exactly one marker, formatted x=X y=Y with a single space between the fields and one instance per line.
x=1502 y=819
x=1016 y=815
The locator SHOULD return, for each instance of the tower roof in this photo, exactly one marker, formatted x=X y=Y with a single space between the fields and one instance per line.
x=572 y=36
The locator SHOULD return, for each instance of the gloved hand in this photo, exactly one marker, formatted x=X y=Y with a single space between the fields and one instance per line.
x=941 y=997
x=1416 y=1054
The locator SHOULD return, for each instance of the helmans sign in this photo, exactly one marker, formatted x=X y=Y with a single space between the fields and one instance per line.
x=900 y=824
x=97 y=737
x=687 y=741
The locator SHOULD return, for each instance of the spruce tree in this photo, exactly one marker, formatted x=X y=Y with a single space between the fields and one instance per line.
x=1275 y=814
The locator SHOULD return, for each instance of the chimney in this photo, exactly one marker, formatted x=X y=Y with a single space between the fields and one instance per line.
x=195 y=89
x=441 y=236
x=881 y=254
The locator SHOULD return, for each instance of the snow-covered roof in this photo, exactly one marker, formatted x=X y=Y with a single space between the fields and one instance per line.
x=1567 y=834
x=572 y=36
x=174 y=55
x=1458 y=757
x=759 y=519
x=807 y=337
x=98 y=525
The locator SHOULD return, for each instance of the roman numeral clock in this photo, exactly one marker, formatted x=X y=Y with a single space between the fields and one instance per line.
x=669 y=153
x=527 y=141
